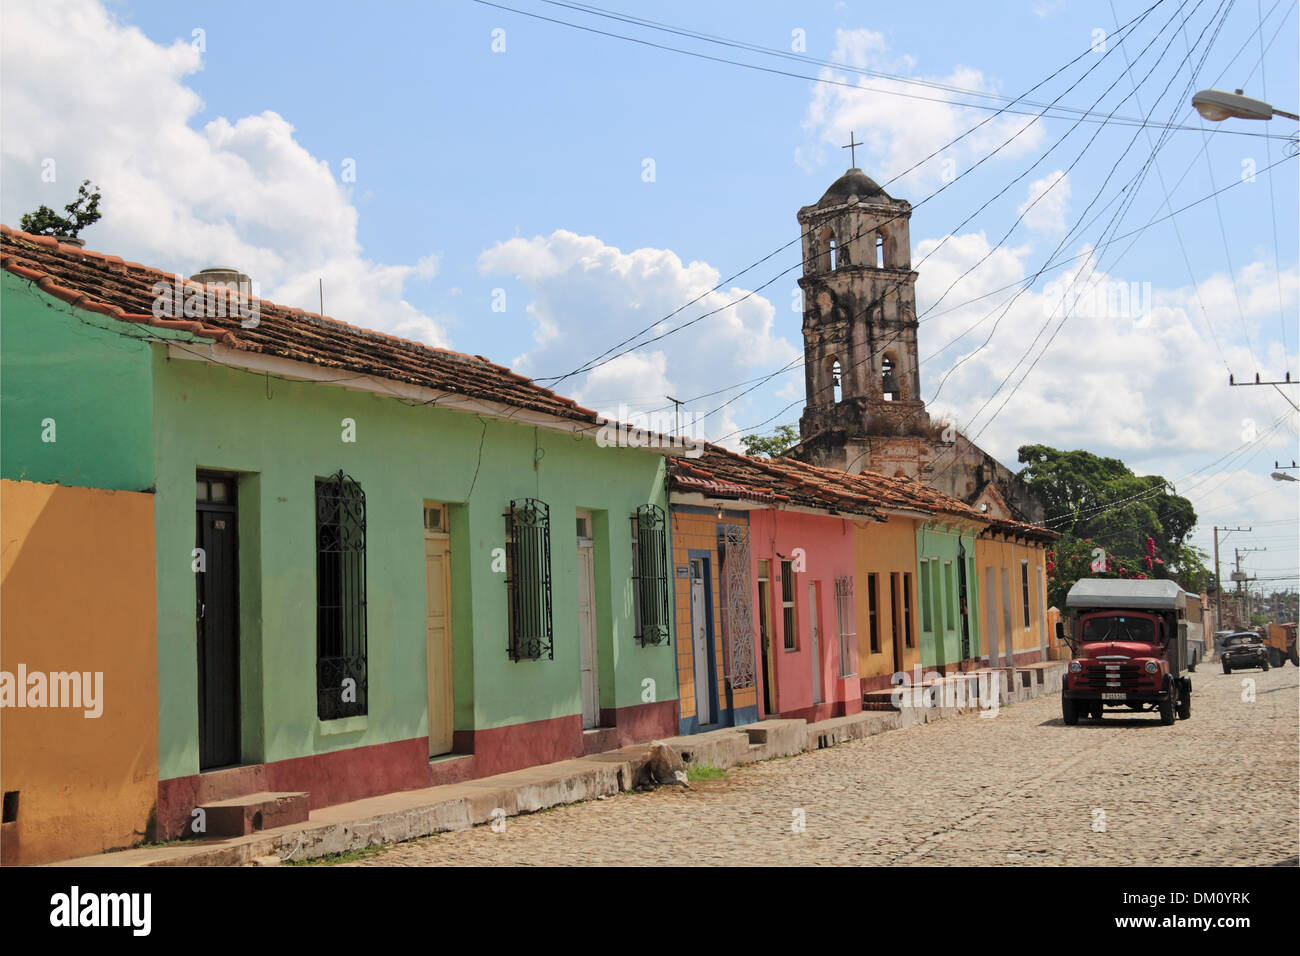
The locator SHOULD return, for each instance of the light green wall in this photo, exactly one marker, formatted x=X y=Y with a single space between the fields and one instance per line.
x=941 y=644
x=87 y=373
x=282 y=435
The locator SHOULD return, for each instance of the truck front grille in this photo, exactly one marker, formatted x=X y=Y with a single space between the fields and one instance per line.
x=1106 y=678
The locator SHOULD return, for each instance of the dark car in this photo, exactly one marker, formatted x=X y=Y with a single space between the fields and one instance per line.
x=1244 y=649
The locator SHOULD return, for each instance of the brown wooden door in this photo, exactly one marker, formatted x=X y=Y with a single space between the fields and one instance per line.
x=437 y=578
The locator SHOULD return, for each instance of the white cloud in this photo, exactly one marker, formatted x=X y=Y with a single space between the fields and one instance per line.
x=1048 y=201
x=1133 y=373
x=900 y=131
x=587 y=295
x=107 y=103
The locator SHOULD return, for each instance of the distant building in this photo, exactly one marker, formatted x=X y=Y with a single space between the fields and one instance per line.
x=864 y=410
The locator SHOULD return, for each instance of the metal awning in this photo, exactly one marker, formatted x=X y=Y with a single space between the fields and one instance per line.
x=1118 y=593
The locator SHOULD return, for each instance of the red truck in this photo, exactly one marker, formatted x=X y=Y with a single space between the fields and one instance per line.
x=1129 y=645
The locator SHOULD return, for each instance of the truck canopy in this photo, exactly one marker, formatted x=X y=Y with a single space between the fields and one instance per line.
x=1105 y=593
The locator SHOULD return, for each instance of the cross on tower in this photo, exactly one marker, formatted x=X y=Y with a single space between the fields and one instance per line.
x=853 y=162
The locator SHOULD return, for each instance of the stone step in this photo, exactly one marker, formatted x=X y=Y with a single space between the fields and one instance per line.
x=264 y=810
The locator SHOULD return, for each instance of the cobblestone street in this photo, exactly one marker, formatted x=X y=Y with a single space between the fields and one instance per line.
x=1019 y=789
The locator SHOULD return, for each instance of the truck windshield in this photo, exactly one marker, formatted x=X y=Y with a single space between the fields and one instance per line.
x=1116 y=628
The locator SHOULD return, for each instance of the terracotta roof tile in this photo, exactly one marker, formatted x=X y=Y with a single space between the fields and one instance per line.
x=784 y=480
x=108 y=284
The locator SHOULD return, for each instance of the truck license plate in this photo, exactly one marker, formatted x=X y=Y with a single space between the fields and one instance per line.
x=1114 y=696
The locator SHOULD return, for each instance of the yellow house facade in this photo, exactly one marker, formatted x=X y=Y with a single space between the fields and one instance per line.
x=1011 y=566
x=884 y=558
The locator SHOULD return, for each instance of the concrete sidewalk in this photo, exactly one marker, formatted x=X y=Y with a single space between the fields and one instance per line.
x=408 y=814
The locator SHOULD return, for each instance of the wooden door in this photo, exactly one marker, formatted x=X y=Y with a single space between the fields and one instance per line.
x=700 y=640
x=438 y=640
x=991 y=613
x=217 y=617
x=588 y=657
x=962 y=608
x=895 y=618
x=766 y=648
x=814 y=637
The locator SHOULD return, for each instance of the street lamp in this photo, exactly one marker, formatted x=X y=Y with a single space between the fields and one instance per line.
x=1282 y=476
x=1218 y=105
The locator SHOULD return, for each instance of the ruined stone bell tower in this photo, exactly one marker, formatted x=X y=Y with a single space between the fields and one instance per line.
x=864 y=410
x=864 y=407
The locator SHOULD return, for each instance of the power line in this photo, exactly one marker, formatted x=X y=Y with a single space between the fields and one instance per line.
x=798 y=76
x=1060 y=245
x=1059 y=264
x=605 y=357
x=1055 y=252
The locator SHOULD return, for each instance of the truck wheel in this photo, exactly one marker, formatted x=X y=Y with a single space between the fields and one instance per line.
x=1264 y=666
x=1226 y=668
x=1168 y=704
x=1185 y=705
x=1069 y=712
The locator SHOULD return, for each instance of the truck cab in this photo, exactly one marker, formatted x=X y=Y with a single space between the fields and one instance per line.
x=1129 y=647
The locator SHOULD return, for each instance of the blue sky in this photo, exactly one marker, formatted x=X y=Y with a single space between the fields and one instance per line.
x=523 y=170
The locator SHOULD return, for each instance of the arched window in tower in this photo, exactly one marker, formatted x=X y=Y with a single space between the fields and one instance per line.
x=834 y=256
x=888 y=380
x=880 y=251
x=825 y=250
x=837 y=389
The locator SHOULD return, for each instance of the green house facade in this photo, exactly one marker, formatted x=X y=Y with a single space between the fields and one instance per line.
x=947 y=593
x=380 y=566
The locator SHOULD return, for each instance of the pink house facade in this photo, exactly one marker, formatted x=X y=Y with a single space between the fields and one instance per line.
x=808 y=648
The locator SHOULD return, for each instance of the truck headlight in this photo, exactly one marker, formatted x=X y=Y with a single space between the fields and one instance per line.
x=1152 y=667
x=1076 y=667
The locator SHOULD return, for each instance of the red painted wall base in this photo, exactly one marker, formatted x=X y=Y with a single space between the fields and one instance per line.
x=359 y=772
x=330 y=778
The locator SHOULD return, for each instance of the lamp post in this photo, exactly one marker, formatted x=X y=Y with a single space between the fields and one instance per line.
x=1218 y=105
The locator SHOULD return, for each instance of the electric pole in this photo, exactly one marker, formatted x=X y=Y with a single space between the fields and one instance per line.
x=677 y=412
x=1218 y=580
x=1241 y=579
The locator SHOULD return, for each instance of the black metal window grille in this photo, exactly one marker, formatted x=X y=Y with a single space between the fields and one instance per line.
x=650 y=574
x=340 y=598
x=528 y=579
x=788 y=615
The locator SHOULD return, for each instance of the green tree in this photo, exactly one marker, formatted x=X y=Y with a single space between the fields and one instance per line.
x=1106 y=515
x=82 y=212
x=771 y=446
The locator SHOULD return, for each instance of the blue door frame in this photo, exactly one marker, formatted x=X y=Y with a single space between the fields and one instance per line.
x=721 y=716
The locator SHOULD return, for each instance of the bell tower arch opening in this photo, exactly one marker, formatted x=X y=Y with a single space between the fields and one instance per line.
x=888 y=379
